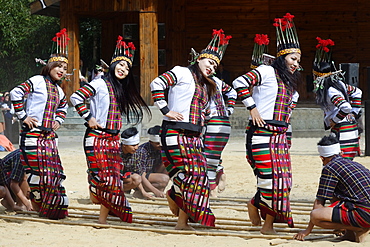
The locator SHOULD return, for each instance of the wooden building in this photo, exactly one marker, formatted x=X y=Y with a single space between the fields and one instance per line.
x=183 y=24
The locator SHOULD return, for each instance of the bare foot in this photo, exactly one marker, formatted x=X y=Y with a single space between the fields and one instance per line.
x=103 y=222
x=173 y=206
x=213 y=193
x=184 y=227
x=268 y=231
x=104 y=211
x=222 y=183
x=361 y=235
x=254 y=215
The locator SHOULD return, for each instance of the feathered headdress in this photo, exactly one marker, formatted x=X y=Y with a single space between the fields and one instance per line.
x=323 y=55
x=261 y=42
x=60 y=47
x=286 y=35
x=123 y=51
x=217 y=47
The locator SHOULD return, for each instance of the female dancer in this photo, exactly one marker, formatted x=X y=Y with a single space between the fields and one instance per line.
x=190 y=88
x=270 y=106
x=340 y=102
x=110 y=97
x=45 y=112
x=217 y=134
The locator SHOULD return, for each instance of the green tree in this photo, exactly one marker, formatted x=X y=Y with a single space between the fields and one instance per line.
x=23 y=37
x=89 y=43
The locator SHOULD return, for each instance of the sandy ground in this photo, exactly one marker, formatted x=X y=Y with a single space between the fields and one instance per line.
x=306 y=167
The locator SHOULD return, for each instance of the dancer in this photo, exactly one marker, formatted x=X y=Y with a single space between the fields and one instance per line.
x=217 y=134
x=340 y=102
x=45 y=112
x=260 y=56
x=110 y=97
x=146 y=162
x=190 y=89
x=270 y=106
x=347 y=184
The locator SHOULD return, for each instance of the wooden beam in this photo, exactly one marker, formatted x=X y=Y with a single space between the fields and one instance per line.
x=69 y=20
x=148 y=35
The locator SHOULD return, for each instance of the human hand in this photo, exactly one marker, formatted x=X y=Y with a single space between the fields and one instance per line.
x=30 y=122
x=256 y=118
x=94 y=124
x=56 y=125
x=147 y=195
x=159 y=194
x=301 y=235
x=332 y=123
x=175 y=115
x=29 y=206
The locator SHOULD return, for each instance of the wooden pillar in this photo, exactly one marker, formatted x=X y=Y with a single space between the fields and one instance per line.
x=148 y=35
x=69 y=20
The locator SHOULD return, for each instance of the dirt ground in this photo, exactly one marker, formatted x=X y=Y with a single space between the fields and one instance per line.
x=306 y=167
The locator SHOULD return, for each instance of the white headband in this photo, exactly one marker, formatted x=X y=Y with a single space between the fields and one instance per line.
x=327 y=151
x=154 y=138
x=133 y=140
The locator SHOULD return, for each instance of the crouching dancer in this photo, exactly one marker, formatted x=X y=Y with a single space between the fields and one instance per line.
x=348 y=184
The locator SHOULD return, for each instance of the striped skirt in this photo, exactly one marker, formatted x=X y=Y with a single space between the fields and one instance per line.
x=347 y=134
x=44 y=172
x=105 y=170
x=268 y=154
x=183 y=158
x=351 y=214
x=215 y=140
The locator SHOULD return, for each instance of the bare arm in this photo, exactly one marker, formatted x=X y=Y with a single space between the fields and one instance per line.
x=147 y=184
x=14 y=186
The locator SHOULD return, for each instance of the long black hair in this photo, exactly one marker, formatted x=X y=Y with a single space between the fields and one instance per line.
x=202 y=80
x=322 y=93
x=289 y=79
x=127 y=95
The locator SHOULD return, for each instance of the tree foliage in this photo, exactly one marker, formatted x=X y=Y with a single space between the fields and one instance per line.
x=23 y=37
x=89 y=43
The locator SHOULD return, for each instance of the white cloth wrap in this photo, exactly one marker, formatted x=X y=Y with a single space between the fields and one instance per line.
x=327 y=151
x=133 y=140
x=154 y=138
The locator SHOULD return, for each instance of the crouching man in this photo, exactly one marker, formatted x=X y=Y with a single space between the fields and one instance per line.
x=347 y=185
